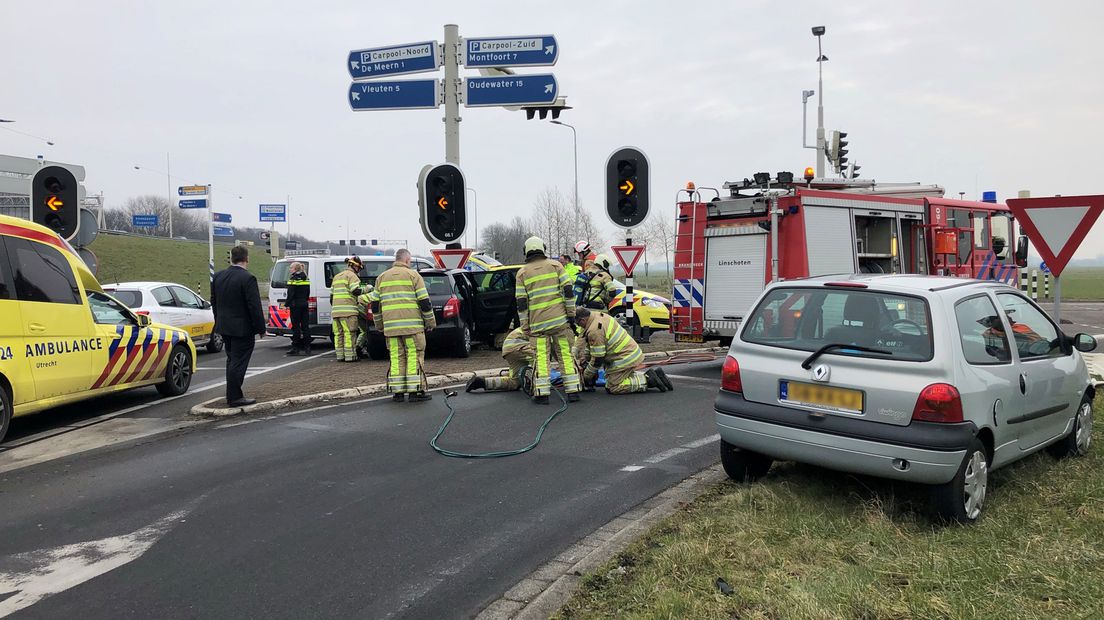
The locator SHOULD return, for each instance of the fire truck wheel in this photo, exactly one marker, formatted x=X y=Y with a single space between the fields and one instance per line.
x=725 y=342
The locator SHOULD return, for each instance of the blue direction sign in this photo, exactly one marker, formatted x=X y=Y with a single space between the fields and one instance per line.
x=143 y=221
x=225 y=218
x=393 y=60
x=224 y=231
x=273 y=213
x=192 y=190
x=510 y=90
x=530 y=51
x=194 y=203
x=395 y=95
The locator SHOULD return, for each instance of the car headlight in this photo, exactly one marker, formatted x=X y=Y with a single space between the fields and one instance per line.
x=651 y=303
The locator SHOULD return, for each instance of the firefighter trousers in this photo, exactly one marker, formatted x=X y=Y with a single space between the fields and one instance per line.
x=345 y=336
x=406 y=374
x=625 y=381
x=518 y=362
x=555 y=345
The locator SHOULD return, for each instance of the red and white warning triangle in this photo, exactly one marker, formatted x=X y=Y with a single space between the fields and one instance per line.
x=628 y=256
x=1057 y=226
x=451 y=259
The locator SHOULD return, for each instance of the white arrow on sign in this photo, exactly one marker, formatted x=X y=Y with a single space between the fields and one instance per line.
x=356 y=96
x=548 y=87
x=354 y=64
x=551 y=49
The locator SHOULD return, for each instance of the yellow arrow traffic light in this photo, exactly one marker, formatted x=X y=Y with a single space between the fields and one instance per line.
x=442 y=202
x=627 y=187
x=54 y=203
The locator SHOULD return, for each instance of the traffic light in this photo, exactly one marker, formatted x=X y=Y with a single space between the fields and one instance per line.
x=543 y=110
x=627 y=187
x=442 y=203
x=54 y=201
x=855 y=170
x=839 y=150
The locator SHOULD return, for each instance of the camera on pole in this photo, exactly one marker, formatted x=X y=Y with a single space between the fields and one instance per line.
x=54 y=201
x=627 y=187
x=441 y=201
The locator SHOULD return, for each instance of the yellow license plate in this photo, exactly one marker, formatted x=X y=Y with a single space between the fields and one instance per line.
x=828 y=397
x=689 y=338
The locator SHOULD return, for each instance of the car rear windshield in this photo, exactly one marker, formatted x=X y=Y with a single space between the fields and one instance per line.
x=892 y=326
x=371 y=270
x=437 y=285
x=129 y=298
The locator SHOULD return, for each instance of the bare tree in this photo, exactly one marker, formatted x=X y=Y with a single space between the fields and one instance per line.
x=506 y=240
x=659 y=235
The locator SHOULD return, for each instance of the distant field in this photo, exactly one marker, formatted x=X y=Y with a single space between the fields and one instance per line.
x=129 y=259
x=1083 y=284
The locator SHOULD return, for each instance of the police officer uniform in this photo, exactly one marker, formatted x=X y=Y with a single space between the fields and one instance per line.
x=298 y=302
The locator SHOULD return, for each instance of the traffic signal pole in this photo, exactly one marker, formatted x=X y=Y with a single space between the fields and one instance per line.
x=210 y=238
x=451 y=52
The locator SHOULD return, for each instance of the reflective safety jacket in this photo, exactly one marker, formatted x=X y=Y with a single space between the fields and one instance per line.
x=609 y=346
x=515 y=341
x=298 y=291
x=599 y=288
x=572 y=271
x=400 y=303
x=545 y=298
x=364 y=300
x=344 y=290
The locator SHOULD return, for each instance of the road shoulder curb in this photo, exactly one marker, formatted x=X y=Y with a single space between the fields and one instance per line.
x=210 y=409
x=544 y=591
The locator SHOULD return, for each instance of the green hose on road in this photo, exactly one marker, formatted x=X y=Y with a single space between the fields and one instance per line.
x=490 y=455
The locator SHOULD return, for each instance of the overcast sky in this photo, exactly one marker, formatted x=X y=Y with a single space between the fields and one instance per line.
x=252 y=98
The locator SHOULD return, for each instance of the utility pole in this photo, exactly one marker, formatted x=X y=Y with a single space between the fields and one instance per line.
x=168 y=192
x=451 y=51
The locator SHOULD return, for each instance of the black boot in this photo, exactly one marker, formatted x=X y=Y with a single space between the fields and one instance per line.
x=418 y=397
x=476 y=383
x=573 y=397
x=664 y=379
x=540 y=400
x=653 y=380
x=398 y=398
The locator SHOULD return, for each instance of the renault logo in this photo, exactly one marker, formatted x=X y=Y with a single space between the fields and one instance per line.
x=822 y=372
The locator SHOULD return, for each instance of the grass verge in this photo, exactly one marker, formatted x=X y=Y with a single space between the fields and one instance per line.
x=811 y=543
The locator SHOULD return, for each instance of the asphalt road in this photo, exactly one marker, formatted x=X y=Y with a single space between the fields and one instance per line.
x=340 y=512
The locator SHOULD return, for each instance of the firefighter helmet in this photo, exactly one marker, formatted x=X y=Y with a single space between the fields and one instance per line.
x=355 y=262
x=602 y=261
x=582 y=248
x=534 y=244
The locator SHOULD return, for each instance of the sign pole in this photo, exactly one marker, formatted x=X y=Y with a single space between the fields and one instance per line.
x=210 y=238
x=628 y=300
x=1058 y=301
x=451 y=51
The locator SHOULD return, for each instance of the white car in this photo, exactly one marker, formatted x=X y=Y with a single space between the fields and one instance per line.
x=171 y=304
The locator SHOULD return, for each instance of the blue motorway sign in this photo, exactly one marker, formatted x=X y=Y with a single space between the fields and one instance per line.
x=510 y=90
x=395 y=95
x=224 y=231
x=393 y=60
x=531 y=51
x=273 y=213
x=194 y=203
x=143 y=221
x=225 y=218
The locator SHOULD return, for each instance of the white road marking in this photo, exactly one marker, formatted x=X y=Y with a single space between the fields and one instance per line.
x=666 y=454
x=698 y=379
x=38 y=574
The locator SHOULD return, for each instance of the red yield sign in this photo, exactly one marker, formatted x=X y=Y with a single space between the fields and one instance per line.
x=1058 y=225
x=451 y=259
x=628 y=256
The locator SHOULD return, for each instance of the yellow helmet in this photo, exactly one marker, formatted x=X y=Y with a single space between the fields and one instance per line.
x=534 y=244
x=602 y=261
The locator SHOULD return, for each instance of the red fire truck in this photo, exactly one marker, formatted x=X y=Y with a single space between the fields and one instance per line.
x=724 y=247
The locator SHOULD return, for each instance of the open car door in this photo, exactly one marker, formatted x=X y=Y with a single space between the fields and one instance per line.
x=495 y=309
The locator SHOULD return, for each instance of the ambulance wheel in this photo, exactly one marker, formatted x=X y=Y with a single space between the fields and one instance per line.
x=214 y=345
x=178 y=373
x=5 y=411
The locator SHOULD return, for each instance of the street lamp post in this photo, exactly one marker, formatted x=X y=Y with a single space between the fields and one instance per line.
x=168 y=186
x=575 y=148
x=818 y=31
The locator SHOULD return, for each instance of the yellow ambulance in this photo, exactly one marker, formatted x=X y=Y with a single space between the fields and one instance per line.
x=63 y=340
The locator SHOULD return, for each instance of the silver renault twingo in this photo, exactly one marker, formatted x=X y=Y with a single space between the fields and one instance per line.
x=925 y=379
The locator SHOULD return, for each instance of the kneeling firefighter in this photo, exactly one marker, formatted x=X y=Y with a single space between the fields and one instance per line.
x=343 y=293
x=402 y=311
x=546 y=309
x=609 y=346
x=517 y=350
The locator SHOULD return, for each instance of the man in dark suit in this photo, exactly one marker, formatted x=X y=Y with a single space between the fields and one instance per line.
x=236 y=302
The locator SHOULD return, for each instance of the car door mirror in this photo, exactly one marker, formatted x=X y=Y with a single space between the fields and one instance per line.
x=1021 y=251
x=143 y=320
x=1084 y=343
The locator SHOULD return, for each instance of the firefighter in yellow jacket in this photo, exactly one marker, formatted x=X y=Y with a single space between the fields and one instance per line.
x=609 y=346
x=517 y=350
x=343 y=292
x=546 y=308
x=402 y=311
x=600 y=288
x=364 y=311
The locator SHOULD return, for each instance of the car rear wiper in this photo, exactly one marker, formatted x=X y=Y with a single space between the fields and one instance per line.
x=808 y=363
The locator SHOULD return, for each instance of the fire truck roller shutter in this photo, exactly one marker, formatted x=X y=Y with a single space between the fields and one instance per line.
x=734 y=276
x=831 y=243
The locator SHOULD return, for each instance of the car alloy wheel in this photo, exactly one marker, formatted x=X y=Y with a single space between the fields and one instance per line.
x=181 y=374
x=1083 y=429
x=976 y=481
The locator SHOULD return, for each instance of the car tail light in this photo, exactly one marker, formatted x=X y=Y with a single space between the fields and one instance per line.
x=312 y=304
x=730 y=376
x=452 y=308
x=939 y=402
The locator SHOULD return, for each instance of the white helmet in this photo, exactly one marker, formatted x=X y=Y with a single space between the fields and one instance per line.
x=582 y=247
x=534 y=244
